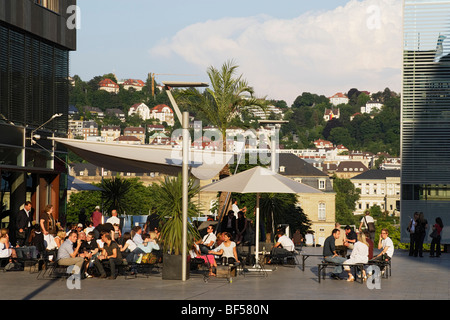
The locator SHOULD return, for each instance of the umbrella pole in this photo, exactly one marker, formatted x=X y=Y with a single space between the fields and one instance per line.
x=257 y=231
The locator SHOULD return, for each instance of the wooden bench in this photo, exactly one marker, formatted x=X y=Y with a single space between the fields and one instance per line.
x=357 y=267
x=321 y=268
x=386 y=265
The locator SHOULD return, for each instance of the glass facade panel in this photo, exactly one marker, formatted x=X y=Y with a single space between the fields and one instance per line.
x=33 y=80
x=425 y=128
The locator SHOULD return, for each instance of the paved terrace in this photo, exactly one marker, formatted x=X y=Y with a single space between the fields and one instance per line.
x=430 y=277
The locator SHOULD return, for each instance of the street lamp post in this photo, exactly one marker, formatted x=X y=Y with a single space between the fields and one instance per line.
x=184 y=119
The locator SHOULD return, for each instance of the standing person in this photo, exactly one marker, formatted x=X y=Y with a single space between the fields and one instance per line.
x=114 y=219
x=48 y=222
x=368 y=223
x=24 y=224
x=421 y=229
x=241 y=227
x=412 y=229
x=235 y=208
x=360 y=254
x=96 y=216
x=330 y=254
x=229 y=223
x=436 y=240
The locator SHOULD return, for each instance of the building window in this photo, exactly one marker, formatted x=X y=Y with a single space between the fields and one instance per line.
x=322 y=213
x=52 y=5
x=321 y=184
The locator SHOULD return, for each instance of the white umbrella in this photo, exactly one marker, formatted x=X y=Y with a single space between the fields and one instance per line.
x=259 y=180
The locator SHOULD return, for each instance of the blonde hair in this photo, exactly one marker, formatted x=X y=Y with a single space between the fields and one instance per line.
x=362 y=238
x=153 y=235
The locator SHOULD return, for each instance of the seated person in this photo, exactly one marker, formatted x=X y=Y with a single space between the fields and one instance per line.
x=6 y=251
x=387 y=245
x=208 y=258
x=227 y=250
x=111 y=254
x=208 y=241
x=89 y=245
x=68 y=255
x=350 y=237
x=149 y=244
x=136 y=235
x=37 y=240
x=284 y=246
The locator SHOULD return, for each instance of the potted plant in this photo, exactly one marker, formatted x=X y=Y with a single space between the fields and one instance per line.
x=169 y=209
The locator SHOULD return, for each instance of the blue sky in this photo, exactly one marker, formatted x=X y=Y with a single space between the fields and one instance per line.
x=283 y=47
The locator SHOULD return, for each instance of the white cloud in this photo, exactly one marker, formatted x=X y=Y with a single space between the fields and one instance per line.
x=356 y=45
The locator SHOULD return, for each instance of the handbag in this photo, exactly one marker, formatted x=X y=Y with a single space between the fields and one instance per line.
x=434 y=234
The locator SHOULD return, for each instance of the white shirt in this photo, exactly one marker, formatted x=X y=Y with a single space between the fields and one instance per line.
x=137 y=239
x=227 y=251
x=208 y=238
x=309 y=239
x=4 y=253
x=360 y=253
x=286 y=243
x=113 y=220
x=388 y=243
x=131 y=245
x=367 y=219
x=235 y=208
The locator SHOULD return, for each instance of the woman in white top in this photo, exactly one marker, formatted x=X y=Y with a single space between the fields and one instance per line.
x=227 y=249
x=360 y=254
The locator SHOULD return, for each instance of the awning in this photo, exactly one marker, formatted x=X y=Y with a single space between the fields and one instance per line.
x=203 y=164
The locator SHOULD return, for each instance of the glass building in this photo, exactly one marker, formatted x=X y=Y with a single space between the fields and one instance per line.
x=425 y=125
x=35 y=41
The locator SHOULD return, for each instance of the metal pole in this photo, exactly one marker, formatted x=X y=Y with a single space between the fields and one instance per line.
x=257 y=231
x=185 y=177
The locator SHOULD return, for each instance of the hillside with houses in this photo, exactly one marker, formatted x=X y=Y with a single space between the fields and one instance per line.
x=350 y=135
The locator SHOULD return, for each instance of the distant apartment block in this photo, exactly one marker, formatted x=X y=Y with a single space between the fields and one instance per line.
x=108 y=85
x=371 y=106
x=331 y=114
x=163 y=113
x=116 y=112
x=338 y=98
x=140 y=109
x=110 y=133
x=378 y=188
x=133 y=83
x=137 y=132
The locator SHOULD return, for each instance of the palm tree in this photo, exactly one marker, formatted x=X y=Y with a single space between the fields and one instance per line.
x=114 y=192
x=221 y=102
x=169 y=205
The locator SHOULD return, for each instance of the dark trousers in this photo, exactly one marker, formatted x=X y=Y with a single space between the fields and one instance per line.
x=435 y=246
x=113 y=262
x=412 y=243
x=418 y=244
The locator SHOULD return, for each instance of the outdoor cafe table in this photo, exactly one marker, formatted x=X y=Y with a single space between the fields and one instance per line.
x=306 y=256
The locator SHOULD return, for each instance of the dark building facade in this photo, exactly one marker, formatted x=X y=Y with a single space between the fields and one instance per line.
x=425 y=126
x=36 y=37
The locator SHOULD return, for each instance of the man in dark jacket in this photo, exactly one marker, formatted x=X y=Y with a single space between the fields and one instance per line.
x=24 y=223
x=330 y=254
